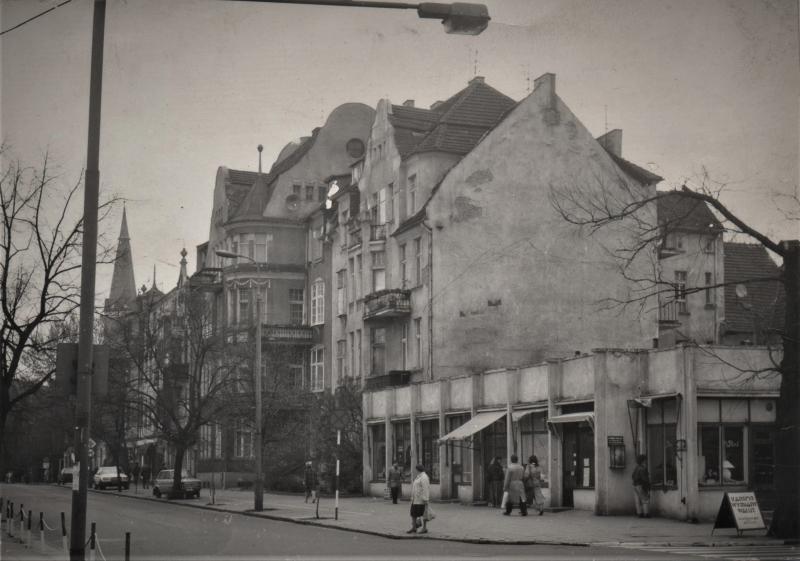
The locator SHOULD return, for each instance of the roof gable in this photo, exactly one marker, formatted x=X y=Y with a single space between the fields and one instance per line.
x=677 y=211
x=762 y=307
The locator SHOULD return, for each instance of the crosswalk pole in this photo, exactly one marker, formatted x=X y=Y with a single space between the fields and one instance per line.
x=127 y=546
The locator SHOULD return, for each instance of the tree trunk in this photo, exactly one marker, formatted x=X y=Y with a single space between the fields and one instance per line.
x=177 y=489
x=786 y=519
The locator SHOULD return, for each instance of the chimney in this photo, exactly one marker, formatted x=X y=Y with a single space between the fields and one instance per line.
x=408 y=103
x=612 y=142
x=548 y=84
x=478 y=80
x=436 y=104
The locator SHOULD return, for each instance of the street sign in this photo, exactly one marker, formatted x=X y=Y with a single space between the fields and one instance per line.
x=740 y=511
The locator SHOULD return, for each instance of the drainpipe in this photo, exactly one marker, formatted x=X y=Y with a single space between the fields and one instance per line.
x=430 y=298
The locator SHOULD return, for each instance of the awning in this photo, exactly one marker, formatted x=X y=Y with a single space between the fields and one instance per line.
x=572 y=418
x=475 y=424
x=517 y=415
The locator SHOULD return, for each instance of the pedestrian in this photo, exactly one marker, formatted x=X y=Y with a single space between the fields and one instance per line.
x=514 y=487
x=420 y=495
x=533 y=484
x=641 y=487
x=395 y=481
x=145 y=477
x=310 y=481
x=494 y=474
x=136 y=471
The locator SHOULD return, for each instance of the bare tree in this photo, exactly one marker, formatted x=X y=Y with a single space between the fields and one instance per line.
x=40 y=246
x=596 y=207
x=182 y=366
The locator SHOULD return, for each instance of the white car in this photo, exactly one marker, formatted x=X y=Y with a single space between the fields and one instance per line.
x=106 y=476
x=163 y=483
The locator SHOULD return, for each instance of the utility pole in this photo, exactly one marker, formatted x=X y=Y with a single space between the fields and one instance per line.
x=83 y=407
x=259 y=483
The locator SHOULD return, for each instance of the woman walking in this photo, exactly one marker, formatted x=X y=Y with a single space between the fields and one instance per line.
x=514 y=487
x=420 y=495
x=533 y=478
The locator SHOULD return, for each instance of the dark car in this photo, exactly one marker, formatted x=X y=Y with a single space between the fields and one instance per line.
x=163 y=484
x=110 y=476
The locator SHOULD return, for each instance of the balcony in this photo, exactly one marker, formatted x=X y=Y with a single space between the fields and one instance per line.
x=288 y=333
x=377 y=233
x=668 y=312
x=392 y=379
x=389 y=303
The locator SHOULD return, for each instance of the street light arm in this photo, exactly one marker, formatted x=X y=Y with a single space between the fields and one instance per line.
x=231 y=255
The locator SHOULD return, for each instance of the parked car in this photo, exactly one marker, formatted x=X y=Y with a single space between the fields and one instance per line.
x=163 y=483
x=106 y=476
x=65 y=476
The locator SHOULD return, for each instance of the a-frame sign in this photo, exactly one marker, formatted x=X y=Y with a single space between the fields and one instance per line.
x=740 y=511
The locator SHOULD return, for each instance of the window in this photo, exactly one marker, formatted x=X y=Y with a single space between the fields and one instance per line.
x=661 y=437
x=318 y=302
x=341 y=292
x=243 y=439
x=402 y=447
x=378 y=270
x=358 y=353
x=709 y=290
x=459 y=453
x=211 y=441
x=377 y=435
x=391 y=198
x=352 y=280
x=708 y=244
x=680 y=291
x=378 y=343
x=261 y=248
x=533 y=439
x=296 y=375
x=403 y=273
x=382 y=206
x=309 y=192
x=429 y=452
x=359 y=269
x=341 y=359
x=322 y=193
x=296 y=305
x=404 y=345
x=317 y=369
x=412 y=195
x=296 y=187
x=244 y=305
x=418 y=342
x=417 y=261
x=352 y=338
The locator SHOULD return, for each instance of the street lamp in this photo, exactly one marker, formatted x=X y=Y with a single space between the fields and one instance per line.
x=258 y=488
x=462 y=18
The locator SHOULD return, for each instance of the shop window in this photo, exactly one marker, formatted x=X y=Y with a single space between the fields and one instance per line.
x=534 y=440
x=378 y=438
x=661 y=438
x=458 y=453
x=429 y=452
x=762 y=462
x=494 y=442
x=721 y=455
x=402 y=448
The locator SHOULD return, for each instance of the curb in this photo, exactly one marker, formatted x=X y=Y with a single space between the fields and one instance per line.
x=480 y=541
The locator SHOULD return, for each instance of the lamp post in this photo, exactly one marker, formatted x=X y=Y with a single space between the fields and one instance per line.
x=258 y=488
x=461 y=18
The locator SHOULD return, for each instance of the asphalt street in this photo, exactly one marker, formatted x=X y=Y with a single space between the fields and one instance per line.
x=161 y=530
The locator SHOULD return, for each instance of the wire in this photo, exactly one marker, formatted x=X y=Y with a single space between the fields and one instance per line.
x=34 y=17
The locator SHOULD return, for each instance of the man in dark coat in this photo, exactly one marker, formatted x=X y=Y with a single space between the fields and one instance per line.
x=495 y=476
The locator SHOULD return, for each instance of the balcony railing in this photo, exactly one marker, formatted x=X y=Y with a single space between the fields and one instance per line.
x=392 y=379
x=299 y=333
x=668 y=312
x=377 y=232
x=393 y=302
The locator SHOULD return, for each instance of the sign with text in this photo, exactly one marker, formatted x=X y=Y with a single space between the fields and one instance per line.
x=740 y=511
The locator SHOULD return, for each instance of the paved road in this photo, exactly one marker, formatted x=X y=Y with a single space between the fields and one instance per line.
x=161 y=530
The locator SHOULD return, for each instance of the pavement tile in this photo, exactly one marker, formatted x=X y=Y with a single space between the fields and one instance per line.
x=474 y=524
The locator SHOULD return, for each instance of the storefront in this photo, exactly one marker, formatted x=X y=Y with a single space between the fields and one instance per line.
x=705 y=427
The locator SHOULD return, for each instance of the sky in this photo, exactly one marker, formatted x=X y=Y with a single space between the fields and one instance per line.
x=189 y=85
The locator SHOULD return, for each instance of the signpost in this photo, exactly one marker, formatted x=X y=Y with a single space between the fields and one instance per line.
x=740 y=511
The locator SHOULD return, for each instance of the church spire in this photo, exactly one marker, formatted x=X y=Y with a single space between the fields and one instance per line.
x=123 y=286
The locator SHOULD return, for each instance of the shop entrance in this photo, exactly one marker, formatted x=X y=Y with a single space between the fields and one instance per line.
x=578 y=460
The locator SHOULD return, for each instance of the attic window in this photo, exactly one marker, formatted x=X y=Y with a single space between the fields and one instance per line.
x=355 y=148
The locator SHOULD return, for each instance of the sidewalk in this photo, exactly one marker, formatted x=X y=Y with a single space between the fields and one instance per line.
x=474 y=524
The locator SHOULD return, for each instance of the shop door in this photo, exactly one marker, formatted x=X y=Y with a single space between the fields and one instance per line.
x=569 y=463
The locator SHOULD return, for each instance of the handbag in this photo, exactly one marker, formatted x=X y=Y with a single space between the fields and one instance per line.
x=505 y=500
x=429 y=514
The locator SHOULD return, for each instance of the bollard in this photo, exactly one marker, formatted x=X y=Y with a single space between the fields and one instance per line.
x=21 y=534
x=127 y=546
x=10 y=519
x=41 y=530
x=92 y=543
x=64 y=542
x=29 y=539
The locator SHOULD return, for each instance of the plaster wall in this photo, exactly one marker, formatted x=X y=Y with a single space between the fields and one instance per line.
x=727 y=369
x=583 y=499
x=533 y=384
x=402 y=401
x=577 y=379
x=495 y=388
x=460 y=394
x=379 y=402
x=662 y=376
x=522 y=284
x=430 y=397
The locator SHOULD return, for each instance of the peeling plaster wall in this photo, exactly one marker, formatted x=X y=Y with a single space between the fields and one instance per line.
x=533 y=384
x=513 y=282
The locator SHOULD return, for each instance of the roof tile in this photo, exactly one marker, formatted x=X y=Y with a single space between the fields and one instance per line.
x=763 y=306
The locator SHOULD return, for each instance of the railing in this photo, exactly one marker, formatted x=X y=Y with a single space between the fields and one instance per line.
x=377 y=232
x=668 y=312
x=288 y=332
x=393 y=302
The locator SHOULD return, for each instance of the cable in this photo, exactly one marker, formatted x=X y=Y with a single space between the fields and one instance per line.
x=34 y=17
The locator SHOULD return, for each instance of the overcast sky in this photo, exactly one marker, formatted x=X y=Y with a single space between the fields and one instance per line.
x=190 y=85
